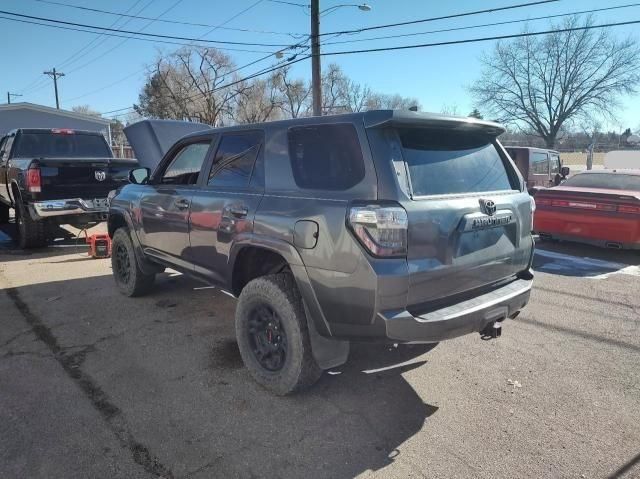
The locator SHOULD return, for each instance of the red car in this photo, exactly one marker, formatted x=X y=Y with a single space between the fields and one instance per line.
x=596 y=207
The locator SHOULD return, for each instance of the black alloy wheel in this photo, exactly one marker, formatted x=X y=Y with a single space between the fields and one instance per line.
x=267 y=338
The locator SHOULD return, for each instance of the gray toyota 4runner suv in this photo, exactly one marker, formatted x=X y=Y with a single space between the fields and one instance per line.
x=380 y=226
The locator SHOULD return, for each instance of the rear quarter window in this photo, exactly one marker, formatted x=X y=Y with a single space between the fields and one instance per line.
x=326 y=157
x=443 y=162
x=60 y=145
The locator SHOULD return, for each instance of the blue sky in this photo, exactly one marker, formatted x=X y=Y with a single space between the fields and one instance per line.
x=437 y=76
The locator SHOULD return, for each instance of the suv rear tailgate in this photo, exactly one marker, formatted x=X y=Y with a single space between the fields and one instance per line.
x=469 y=227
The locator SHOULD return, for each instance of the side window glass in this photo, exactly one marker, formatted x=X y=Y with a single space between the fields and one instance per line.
x=539 y=163
x=326 y=157
x=185 y=166
x=555 y=164
x=234 y=161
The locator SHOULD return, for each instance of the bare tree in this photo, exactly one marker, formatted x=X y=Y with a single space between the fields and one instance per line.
x=189 y=84
x=379 y=101
x=542 y=83
x=295 y=94
x=333 y=88
x=258 y=101
x=85 y=110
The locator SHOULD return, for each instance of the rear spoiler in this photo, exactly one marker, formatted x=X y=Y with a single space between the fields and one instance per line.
x=406 y=118
x=151 y=139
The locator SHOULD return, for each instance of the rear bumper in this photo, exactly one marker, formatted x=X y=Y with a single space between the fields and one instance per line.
x=462 y=318
x=97 y=208
x=596 y=229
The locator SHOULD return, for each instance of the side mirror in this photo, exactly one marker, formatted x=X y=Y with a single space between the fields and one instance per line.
x=139 y=176
x=564 y=171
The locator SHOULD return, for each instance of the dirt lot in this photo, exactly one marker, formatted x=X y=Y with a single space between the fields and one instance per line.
x=579 y=158
x=93 y=384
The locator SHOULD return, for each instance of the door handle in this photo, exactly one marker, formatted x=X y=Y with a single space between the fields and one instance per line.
x=182 y=203
x=239 y=211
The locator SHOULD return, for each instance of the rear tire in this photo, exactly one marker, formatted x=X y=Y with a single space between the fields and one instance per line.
x=273 y=336
x=4 y=214
x=129 y=278
x=31 y=234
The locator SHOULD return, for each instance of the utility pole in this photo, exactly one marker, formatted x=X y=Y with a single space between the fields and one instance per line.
x=9 y=95
x=53 y=74
x=316 y=75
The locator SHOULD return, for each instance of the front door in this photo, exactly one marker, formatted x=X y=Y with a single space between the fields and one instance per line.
x=223 y=210
x=165 y=204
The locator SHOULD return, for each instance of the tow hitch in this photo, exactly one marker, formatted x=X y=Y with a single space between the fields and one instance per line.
x=491 y=331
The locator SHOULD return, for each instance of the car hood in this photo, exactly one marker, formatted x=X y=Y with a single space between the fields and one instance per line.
x=604 y=191
x=151 y=139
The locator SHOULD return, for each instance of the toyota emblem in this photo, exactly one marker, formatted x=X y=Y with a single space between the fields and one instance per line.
x=100 y=175
x=488 y=206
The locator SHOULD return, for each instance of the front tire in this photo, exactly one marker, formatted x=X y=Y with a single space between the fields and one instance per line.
x=129 y=278
x=273 y=336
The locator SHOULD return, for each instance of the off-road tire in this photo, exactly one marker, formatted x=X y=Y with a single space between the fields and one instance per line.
x=4 y=214
x=280 y=294
x=130 y=280
x=31 y=234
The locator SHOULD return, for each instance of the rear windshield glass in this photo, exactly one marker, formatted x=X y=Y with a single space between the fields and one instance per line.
x=326 y=157
x=610 y=181
x=444 y=162
x=61 y=145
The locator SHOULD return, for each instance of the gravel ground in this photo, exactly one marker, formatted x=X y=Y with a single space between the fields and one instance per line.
x=93 y=384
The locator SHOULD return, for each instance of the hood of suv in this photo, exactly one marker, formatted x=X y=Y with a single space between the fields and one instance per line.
x=151 y=139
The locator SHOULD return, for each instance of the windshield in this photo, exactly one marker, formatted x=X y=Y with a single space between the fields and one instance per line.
x=609 y=181
x=61 y=145
x=452 y=162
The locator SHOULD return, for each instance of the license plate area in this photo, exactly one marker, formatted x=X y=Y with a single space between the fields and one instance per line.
x=97 y=203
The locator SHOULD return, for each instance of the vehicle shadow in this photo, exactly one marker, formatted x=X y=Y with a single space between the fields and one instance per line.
x=579 y=260
x=64 y=243
x=170 y=377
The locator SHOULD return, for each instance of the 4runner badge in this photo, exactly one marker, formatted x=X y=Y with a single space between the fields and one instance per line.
x=100 y=175
x=488 y=207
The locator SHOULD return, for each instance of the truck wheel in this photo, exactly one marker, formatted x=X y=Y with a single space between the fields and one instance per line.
x=130 y=280
x=273 y=337
x=31 y=234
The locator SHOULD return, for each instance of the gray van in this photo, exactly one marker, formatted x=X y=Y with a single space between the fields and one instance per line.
x=389 y=226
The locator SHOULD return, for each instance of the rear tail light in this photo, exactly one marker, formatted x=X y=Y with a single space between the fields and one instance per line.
x=381 y=229
x=34 y=181
x=541 y=201
x=629 y=209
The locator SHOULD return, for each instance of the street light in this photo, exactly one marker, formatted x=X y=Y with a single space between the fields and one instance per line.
x=316 y=76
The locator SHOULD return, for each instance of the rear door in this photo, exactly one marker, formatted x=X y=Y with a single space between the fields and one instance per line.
x=469 y=221
x=539 y=171
x=222 y=211
x=165 y=203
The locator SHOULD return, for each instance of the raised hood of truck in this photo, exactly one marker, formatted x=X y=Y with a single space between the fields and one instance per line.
x=151 y=139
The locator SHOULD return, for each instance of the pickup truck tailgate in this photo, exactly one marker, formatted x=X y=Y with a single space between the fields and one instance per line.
x=82 y=178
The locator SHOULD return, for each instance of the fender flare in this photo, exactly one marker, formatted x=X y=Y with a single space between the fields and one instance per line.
x=327 y=352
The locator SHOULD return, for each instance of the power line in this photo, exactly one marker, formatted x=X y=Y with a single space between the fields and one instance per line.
x=175 y=22
x=227 y=85
x=470 y=27
x=218 y=26
x=154 y=35
x=444 y=17
x=35 y=86
x=483 y=39
x=133 y=38
x=118 y=45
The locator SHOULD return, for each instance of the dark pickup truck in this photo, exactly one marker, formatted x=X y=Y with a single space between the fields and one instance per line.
x=53 y=177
